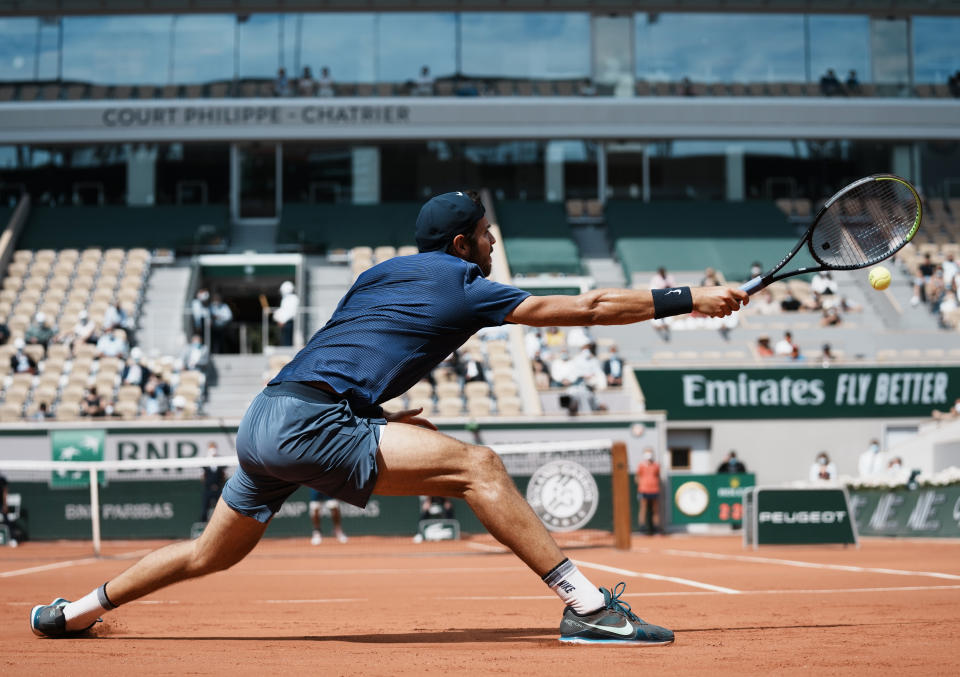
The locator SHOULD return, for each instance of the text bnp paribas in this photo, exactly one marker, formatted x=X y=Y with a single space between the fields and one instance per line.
x=850 y=389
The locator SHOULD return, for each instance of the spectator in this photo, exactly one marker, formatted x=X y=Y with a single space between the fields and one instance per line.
x=950 y=269
x=823 y=283
x=756 y=269
x=787 y=347
x=853 y=83
x=113 y=344
x=533 y=342
x=134 y=372
x=115 y=316
x=953 y=83
x=4 y=332
x=200 y=311
x=895 y=467
x=830 y=84
x=425 y=82
x=587 y=88
x=178 y=406
x=872 y=462
x=92 y=404
x=284 y=315
x=318 y=503
x=831 y=317
x=541 y=373
x=306 y=85
x=949 y=303
x=556 y=339
x=39 y=333
x=577 y=338
x=822 y=469
x=154 y=401
x=213 y=479
x=16 y=533
x=763 y=347
x=613 y=368
x=220 y=317
x=710 y=279
x=42 y=413
x=648 y=492
x=950 y=414
x=281 y=85
x=827 y=356
x=924 y=274
x=732 y=465
x=764 y=303
x=471 y=369
x=195 y=355
x=790 y=303
x=20 y=362
x=83 y=331
x=562 y=370
x=662 y=280
x=325 y=84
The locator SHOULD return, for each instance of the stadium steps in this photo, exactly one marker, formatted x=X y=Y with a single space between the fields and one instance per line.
x=591 y=240
x=234 y=382
x=259 y=238
x=326 y=285
x=165 y=298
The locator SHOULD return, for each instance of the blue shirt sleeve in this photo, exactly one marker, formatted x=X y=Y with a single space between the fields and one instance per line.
x=490 y=302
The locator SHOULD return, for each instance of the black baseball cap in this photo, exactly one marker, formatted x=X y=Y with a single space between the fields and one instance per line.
x=444 y=217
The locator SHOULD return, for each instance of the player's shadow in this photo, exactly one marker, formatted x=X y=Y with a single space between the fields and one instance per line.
x=452 y=636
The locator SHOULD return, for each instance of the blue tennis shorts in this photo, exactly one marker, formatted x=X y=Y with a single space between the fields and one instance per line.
x=294 y=434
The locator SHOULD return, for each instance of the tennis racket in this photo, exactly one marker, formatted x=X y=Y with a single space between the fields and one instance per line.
x=865 y=223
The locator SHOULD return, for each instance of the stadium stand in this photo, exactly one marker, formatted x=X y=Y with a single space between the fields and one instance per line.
x=537 y=238
x=326 y=227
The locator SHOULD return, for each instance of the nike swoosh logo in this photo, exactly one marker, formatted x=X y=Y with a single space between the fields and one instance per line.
x=672 y=291
x=626 y=629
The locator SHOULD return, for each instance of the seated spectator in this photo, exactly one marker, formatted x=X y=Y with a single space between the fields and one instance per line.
x=813 y=303
x=710 y=279
x=325 y=83
x=936 y=290
x=763 y=347
x=20 y=362
x=134 y=371
x=588 y=369
x=613 y=368
x=948 y=415
x=562 y=370
x=281 y=85
x=823 y=283
x=923 y=276
x=786 y=347
x=949 y=303
x=116 y=317
x=764 y=303
x=827 y=356
x=92 y=404
x=830 y=84
x=471 y=369
x=39 y=333
x=686 y=87
x=853 y=83
x=587 y=88
x=306 y=85
x=83 y=331
x=425 y=82
x=113 y=344
x=42 y=413
x=950 y=269
x=195 y=355
x=790 y=303
x=178 y=407
x=831 y=317
x=577 y=338
x=895 y=467
x=541 y=373
x=662 y=280
x=822 y=469
x=556 y=339
x=953 y=83
x=4 y=333
x=154 y=401
x=533 y=342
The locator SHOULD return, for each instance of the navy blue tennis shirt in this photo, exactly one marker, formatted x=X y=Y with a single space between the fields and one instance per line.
x=400 y=319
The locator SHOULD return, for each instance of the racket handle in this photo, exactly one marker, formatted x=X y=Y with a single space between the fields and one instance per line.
x=756 y=284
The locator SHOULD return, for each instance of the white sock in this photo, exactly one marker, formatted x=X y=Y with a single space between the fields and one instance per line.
x=85 y=611
x=573 y=587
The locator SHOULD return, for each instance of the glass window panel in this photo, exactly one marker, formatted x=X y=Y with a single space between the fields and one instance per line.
x=260 y=46
x=290 y=36
x=18 y=48
x=117 y=50
x=203 y=47
x=841 y=43
x=48 y=63
x=888 y=49
x=526 y=45
x=342 y=42
x=720 y=47
x=936 y=48
x=408 y=41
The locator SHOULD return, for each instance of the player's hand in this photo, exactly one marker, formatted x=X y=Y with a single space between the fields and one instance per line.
x=409 y=416
x=718 y=301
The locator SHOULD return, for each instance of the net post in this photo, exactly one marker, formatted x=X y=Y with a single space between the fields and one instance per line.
x=95 y=508
x=620 y=481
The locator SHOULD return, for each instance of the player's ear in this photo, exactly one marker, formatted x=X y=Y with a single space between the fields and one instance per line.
x=458 y=246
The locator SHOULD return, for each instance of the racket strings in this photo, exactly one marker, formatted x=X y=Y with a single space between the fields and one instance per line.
x=865 y=225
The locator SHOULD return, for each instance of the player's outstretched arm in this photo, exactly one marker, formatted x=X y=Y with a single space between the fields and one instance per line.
x=618 y=306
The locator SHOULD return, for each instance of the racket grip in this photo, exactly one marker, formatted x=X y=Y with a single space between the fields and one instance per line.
x=753 y=285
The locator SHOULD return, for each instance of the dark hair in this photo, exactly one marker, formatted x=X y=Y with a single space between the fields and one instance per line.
x=477 y=200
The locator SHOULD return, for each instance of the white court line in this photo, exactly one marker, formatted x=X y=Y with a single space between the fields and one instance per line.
x=807 y=565
x=331 y=600
x=353 y=572
x=69 y=563
x=488 y=548
x=656 y=577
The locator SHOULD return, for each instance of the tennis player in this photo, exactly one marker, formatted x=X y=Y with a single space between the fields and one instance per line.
x=318 y=423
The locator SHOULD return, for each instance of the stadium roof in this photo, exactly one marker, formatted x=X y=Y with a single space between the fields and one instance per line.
x=878 y=7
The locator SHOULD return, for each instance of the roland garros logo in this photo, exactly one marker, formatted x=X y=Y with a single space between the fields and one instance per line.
x=563 y=494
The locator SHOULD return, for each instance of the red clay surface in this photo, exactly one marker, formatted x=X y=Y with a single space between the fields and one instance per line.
x=391 y=607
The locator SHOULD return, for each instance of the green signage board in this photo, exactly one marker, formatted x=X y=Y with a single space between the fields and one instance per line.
x=926 y=511
x=799 y=392
x=75 y=445
x=709 y=499
x=798 y=516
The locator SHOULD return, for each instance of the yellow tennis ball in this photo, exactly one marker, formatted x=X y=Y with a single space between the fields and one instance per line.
x=880 y=278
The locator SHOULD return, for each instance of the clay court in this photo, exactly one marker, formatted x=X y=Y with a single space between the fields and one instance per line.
x=390 y=607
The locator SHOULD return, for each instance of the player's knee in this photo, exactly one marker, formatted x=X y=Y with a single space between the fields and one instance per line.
x=488 y=470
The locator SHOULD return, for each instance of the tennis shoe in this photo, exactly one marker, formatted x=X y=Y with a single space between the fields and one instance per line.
x=614 y=624
x=47 y=620
x=316 y=539
x=342 y=537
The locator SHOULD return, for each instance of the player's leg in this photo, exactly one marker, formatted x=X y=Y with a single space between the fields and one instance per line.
x=337 y=518
x=416 y=461
x=655 y=513
x=316 y=513
x=228 y=538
